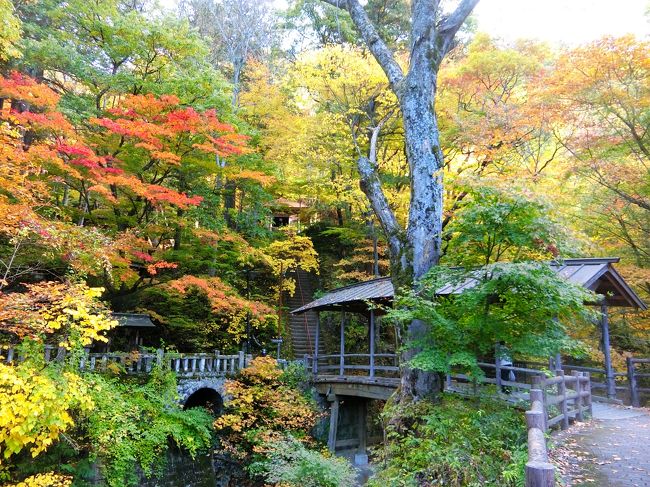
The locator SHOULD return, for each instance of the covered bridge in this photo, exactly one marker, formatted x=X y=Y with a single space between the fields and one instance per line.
x=596 y=274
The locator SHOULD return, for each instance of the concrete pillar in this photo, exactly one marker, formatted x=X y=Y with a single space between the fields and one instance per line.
x=334 y=425
x=361 y=456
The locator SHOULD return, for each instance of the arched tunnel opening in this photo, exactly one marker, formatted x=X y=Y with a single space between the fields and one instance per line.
x=206 y=398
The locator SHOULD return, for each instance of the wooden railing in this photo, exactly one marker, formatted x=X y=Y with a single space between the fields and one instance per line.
x=553 y=401
x=631 y=386
x=518 y=388
x=638 y=377
x=539 y=471
x=384 y=365
x=183 y=364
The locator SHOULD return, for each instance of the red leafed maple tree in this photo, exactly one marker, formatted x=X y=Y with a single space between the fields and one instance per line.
x=130 y=173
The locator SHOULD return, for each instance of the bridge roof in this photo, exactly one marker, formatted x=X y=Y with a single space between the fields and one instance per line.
x=595 y=274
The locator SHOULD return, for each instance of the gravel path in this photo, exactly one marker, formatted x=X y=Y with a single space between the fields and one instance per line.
x=613 y=449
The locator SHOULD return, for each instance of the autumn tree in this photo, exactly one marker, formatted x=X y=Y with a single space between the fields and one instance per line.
x=95 y=52
x=600 y=94
x=414 y=248
x=11 y=30
x=237 y=31
x=293 y=253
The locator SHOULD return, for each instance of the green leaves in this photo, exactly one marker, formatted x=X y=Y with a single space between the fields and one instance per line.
x=496 y=225
x=526 y=305
x=456 y=443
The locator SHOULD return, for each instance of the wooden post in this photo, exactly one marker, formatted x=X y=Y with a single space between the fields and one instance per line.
x=316 y=344
x=536 y=395
x=342 y=357
x=558 y=361
x=588 y=388
x=497 y=368
x=372 y=343
x=578 y=390
x=561 y=389
x=334 y=425
x=609 y=371
x=540 y=474
x=631 y=378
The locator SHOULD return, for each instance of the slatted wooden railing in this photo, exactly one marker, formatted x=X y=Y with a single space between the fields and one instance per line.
x=381 y=365
x=184 y=364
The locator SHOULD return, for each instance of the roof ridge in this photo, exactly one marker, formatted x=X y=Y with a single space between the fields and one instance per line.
x=356 y=284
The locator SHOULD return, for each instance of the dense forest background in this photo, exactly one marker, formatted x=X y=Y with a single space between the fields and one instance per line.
x=147 y=151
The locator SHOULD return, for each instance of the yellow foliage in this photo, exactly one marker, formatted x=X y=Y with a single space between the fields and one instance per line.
x=49 y=479
x=36 y=405
x=73 y=311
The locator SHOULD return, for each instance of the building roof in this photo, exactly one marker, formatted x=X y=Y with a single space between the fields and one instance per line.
x=133 y=320
x=595 y=274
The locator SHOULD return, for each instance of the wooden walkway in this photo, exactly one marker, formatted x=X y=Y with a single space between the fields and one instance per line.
x=611 y=450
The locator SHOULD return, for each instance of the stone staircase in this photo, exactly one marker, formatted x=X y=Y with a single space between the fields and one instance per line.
x=302 y=326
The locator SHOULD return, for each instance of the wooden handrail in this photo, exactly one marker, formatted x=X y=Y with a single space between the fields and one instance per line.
x=539 y=471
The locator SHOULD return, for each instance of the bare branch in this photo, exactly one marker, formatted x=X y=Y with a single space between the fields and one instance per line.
x=375 y=43
x=450 y=24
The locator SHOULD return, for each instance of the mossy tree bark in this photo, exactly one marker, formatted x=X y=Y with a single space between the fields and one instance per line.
x=416 y=248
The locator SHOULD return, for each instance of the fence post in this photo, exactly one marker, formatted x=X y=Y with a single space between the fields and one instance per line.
x=588 y=389
x=578 y=390
x=497 y=367
x=60 y=354
x=159 y=357
x=539 y=472
x=561 y=389
x=84 y=358
x=241 y=360
x=631 y=378
x=536 y=395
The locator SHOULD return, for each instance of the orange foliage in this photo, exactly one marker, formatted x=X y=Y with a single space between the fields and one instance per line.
x=262 y=409
x=222 y=297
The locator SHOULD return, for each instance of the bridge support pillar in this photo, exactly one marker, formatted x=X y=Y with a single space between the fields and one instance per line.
x=334 y=424
x=361 y=457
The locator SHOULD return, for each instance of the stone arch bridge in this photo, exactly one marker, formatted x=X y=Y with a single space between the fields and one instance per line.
x=201 y=376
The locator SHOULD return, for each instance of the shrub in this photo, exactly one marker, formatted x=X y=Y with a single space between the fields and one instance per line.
x=132 y=424
x=456 y=443
x=263 y=408
x=289 y=463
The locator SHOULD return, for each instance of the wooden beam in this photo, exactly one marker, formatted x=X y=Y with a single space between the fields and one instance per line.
x=609 y=370
x=372 y=343
x=316 y=344
x=342 y=357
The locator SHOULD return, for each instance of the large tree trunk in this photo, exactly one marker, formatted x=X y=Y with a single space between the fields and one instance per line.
x=423 y=234
x=416 y=249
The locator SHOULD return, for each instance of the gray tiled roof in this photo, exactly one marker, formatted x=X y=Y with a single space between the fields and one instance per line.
x=596 y=274
x=135 y=320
